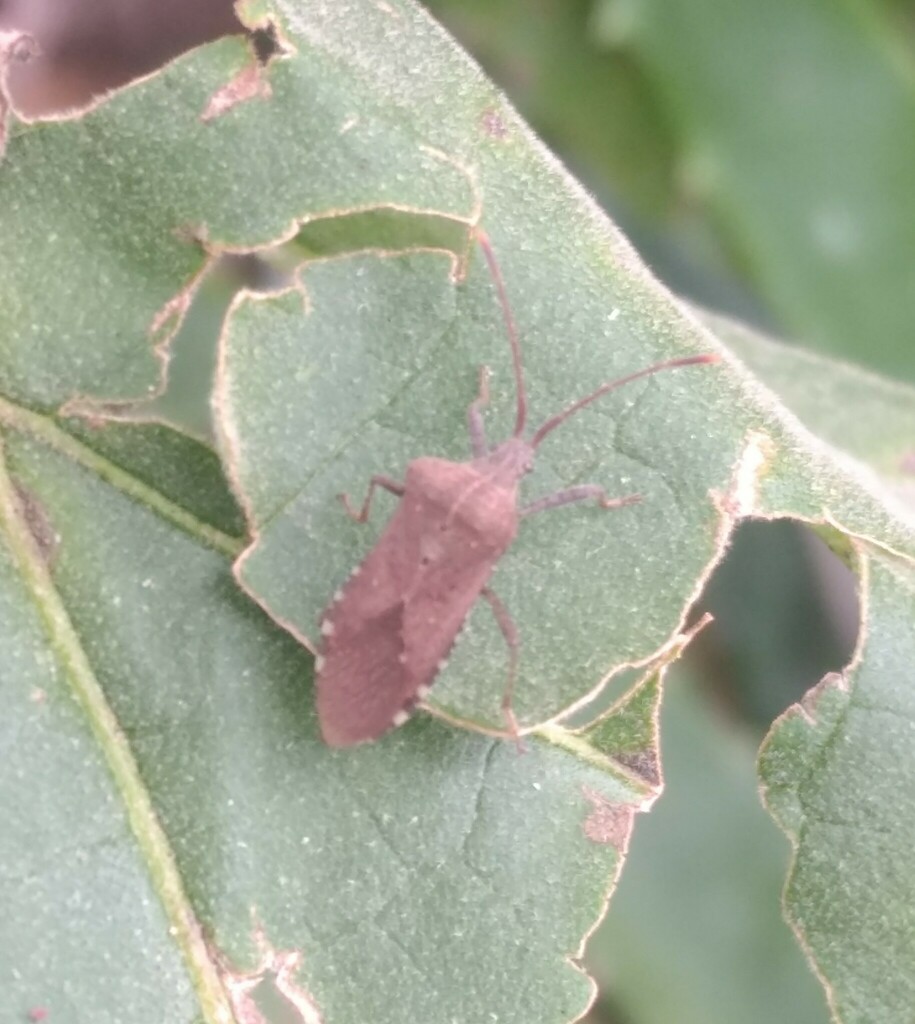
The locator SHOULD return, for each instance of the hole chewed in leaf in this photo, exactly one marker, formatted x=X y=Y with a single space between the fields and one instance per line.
x=271 y=985
x=251 y=81
x=381 y=229
x=266 y=43
x=790 y=591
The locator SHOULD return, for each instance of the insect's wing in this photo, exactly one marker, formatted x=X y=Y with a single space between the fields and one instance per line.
x=464 y=523
x=362 y=684
x=445 y=589
x=361 y=679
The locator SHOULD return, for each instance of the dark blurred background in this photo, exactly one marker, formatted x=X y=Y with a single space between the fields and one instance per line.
x=762 y=159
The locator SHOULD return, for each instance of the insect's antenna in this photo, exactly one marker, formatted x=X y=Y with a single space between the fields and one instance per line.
x=521 y=416
x=669 y=364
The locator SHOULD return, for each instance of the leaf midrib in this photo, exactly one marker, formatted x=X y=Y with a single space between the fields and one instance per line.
x=45 y=429
x=64 y=641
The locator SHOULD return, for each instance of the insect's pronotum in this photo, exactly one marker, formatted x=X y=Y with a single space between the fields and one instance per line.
x=390 y=627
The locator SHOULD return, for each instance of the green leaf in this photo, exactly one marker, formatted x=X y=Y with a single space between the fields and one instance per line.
x=160 y=724
x=837 y=776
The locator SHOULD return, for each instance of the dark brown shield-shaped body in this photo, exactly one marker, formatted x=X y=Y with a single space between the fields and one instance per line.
x=391 y=626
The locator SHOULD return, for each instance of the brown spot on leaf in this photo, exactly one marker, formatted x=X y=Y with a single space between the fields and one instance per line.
x=493 y=124
x=248 y=84
x=38 y=523
x=608 y=823
x=37 y=1013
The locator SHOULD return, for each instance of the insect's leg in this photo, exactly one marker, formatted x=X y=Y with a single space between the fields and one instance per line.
x=510 y=631
x=377 y=481
x=579 y=493
x=475 y=416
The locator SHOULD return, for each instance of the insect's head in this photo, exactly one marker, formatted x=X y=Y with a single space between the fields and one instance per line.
x=511 y=460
